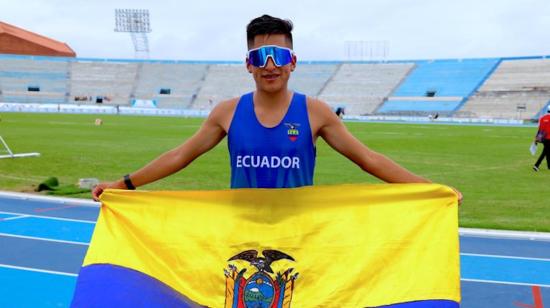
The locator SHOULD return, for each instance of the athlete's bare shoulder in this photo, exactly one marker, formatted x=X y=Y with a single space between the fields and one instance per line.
x=222 y=114
x=320 y=114
x=316 y=105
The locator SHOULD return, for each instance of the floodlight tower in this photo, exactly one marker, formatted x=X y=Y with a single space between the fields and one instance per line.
x=136 y=22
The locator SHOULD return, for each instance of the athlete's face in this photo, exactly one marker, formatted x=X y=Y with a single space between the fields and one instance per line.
x=271 y=78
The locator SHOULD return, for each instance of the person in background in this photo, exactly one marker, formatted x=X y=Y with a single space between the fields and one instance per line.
x=340 y=112
x=543 y=136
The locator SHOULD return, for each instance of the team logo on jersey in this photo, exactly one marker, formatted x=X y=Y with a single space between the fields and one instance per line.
x=262 y=288
x=292 y=131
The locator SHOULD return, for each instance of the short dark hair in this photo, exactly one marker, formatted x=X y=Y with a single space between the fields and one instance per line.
x=266 y=24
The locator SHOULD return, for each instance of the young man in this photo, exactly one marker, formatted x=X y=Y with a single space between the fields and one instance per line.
x=272 y=131
x=543 y=136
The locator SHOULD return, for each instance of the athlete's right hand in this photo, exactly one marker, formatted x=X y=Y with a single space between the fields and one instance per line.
x=99 y=188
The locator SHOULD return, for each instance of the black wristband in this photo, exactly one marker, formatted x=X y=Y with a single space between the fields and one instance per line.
x=128 y=182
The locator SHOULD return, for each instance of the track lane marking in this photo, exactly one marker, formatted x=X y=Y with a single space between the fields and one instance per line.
x=49 y=217
x=31 y=269
x=505 y=282
x=14 y=217
x=503 y=257
x=44 y=239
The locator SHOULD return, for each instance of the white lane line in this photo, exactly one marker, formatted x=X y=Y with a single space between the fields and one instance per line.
x=44 y=239
x=24 y=196
x=504 y=257
x=506 y=282
x=505 y=234
x=49 y=217
x=30 y=269
x=14 y=217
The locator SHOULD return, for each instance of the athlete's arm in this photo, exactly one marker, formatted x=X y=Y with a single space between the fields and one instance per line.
x=329 y=127
x=212 y=131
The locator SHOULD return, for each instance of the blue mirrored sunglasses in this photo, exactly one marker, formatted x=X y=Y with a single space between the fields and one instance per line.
x=280 y=55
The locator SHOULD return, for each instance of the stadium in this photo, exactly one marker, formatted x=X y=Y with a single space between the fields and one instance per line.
x=467 y=123
x=492 y=90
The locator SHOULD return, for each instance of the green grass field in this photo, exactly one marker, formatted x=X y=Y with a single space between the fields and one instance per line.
x=491 y=165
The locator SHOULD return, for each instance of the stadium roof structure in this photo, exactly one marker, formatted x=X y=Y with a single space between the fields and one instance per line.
x=14 y=40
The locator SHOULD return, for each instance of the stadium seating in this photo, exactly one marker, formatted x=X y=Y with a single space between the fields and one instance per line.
x=105 y=82
x=24 y=80
x=448 y=82
x=183 y=80
x=311 y=78
x=361 y=88
x=508 y=88
x=223 y=81
x=519 y=88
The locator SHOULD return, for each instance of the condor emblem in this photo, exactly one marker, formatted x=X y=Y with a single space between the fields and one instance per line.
x=262 y=288
x=292 y=131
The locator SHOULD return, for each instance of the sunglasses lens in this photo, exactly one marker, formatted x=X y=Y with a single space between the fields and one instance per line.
x=258 y=57
x=280 y=56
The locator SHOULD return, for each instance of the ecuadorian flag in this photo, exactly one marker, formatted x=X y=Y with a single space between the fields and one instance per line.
x=323 y=246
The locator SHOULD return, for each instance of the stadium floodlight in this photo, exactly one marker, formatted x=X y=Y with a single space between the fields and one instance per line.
x=136 y=22
x=367 y=50
x=11 y=154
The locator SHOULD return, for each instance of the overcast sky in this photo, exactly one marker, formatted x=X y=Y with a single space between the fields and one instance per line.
x=215 y=30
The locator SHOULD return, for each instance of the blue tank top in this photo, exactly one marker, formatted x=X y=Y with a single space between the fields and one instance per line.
x=278 y=157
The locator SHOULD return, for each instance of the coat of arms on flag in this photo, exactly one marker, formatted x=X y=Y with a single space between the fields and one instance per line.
x=262 y=288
